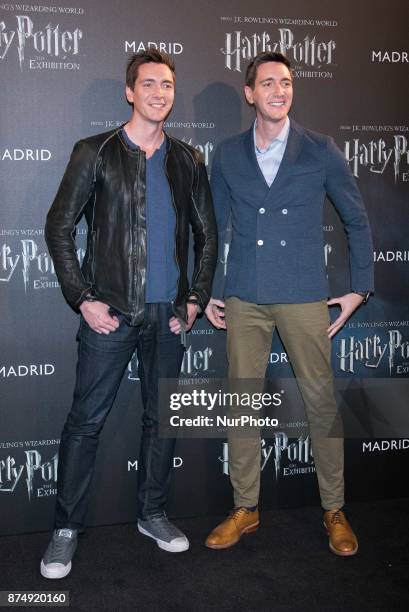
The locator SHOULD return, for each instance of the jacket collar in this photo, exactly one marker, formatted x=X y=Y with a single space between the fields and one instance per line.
x=294 y=143
x=136 y=150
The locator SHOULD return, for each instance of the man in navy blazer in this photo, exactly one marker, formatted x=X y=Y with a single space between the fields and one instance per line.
x=272 y=181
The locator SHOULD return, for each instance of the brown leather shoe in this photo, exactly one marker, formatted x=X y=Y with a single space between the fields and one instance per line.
x=229 y=532
x=342 y=540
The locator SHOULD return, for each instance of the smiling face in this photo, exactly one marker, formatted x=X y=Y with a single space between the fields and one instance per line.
x=153 y=93
x=272 y=93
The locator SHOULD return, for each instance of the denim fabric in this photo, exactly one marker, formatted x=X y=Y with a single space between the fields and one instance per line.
x=102 y=360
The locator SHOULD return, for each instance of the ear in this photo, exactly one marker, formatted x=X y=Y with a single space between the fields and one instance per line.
x=248 y=92
x=129 y=94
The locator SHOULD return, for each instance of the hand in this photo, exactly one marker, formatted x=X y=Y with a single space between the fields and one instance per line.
x=349 y=303
x=215 y=313
x=175 y=325
x=96 y=314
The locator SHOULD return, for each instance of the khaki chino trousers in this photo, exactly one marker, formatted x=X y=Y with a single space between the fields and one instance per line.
x=302 y=328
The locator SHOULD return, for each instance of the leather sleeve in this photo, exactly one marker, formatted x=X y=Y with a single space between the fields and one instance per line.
x=74 y=193
x=204 y=229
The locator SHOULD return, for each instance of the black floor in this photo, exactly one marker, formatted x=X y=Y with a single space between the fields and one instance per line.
x=286 y=565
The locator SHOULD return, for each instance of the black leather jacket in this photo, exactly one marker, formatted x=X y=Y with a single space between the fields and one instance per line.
x=105 y=181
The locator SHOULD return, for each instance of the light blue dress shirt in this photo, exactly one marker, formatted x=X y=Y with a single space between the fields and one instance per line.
x=270 y=159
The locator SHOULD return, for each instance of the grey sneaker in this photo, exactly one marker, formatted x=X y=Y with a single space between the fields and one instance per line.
x=56 y=562
x=167 y=536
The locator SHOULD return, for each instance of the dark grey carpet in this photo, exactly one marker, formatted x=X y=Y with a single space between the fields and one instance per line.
x=286 y=565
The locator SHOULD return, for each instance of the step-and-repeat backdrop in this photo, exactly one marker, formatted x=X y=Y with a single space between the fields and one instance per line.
x=62 y=78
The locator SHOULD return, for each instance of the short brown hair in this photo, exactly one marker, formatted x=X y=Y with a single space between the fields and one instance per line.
x=146 y=57
x=262 y=58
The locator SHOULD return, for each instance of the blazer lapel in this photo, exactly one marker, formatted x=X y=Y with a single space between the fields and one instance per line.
x=252 y=159
x=294 y=143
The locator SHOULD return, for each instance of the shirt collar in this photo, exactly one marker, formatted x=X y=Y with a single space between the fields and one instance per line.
x=132 y=145
x=281 y=137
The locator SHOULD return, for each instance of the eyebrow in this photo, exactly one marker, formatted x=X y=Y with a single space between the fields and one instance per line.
x=269 y=79
x=148 y=80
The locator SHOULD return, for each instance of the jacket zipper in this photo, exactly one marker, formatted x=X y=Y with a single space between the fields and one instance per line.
x=135 y=226
x=176 y=224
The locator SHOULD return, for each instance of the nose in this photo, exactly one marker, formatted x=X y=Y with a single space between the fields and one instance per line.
x=158 y=89
x=277 y=89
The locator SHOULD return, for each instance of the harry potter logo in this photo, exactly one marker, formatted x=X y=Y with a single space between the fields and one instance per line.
x=308 y=52
x=11 y=472
x=371 y=351
x=51 y=41
x=204 y=149
x=297 y=452
x=376 y=155
x=294 y=456
x=26 y=259
x=194 y=363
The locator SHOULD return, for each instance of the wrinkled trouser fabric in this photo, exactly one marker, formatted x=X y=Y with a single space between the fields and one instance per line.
x=102 y=360
x=302 y=328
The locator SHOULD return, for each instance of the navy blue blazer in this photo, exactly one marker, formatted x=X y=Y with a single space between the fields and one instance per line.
x=276 y=253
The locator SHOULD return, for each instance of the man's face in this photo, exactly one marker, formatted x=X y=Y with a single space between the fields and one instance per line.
x=273 y=92
x=153 y=93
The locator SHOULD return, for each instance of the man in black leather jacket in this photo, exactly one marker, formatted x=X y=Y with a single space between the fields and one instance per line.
x=140 y=191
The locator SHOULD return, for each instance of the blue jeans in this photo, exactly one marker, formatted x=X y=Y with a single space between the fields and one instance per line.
x=102 y=360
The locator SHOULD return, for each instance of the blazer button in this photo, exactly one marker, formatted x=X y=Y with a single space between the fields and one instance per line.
x=260 y=242
x=284 y=211
x=283 y=243
x=261 y=211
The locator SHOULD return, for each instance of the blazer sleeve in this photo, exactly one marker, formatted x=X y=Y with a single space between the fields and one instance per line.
x=343 y=191
x=222 y=202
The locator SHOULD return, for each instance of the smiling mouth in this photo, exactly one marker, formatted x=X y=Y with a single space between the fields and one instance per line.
x=277 y=103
